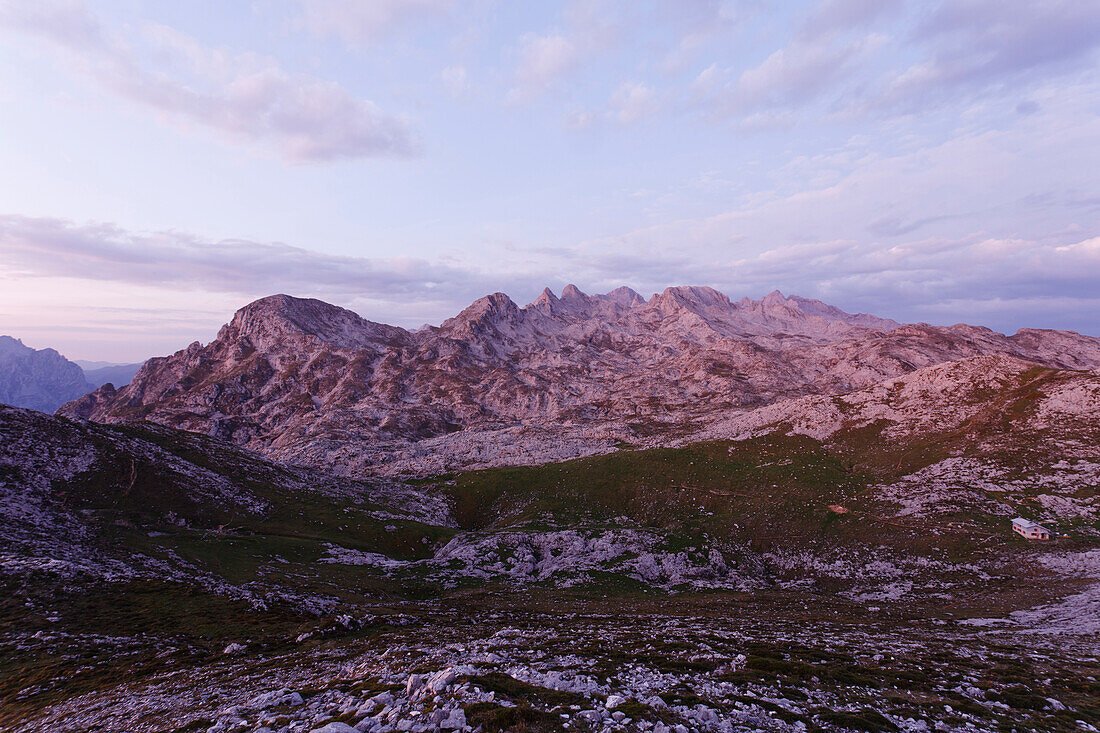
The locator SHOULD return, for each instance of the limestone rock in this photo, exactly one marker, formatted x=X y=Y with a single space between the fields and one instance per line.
x=310 y=383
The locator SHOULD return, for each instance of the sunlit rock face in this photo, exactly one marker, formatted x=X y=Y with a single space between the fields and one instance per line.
x=310 y=382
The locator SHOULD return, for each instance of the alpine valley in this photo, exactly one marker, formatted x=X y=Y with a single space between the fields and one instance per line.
x=589 y=513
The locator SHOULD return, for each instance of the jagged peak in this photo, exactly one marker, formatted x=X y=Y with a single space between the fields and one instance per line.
x=623 y=296
x=775 y=298
x=496 y=302
x=546 y=301
x=12 y=345
x=9 y=345
x=492 y=307
x=572 y=292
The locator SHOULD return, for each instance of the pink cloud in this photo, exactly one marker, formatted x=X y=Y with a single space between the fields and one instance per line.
x=241 y=96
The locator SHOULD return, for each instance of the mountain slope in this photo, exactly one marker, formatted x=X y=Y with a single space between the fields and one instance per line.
x=118 y=503
x=300 y=379
x=38 y=379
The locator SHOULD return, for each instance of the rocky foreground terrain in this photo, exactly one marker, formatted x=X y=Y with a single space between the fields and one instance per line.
x=800 y=521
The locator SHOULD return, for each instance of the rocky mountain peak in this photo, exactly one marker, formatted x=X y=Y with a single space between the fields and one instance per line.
x=40 y=379
x=9 y=345
x=690 y=297
x=814 y=307
x=774 y=298
x=572 y=293
x=775 y=307
x=574 y=303
x=795 y=314
x=546 y=303
x=490 y=309
x=624 y=296
x=487 y=322
x=279 y=316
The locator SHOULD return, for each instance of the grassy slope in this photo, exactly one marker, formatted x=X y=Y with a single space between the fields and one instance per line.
x=756 y=489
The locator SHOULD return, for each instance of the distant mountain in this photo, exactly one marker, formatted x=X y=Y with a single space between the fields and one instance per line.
x=117 y=374
x=38 y=379
x=87 y=365
x=310 y=382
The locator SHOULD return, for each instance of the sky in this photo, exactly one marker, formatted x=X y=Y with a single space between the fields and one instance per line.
x=162 y=164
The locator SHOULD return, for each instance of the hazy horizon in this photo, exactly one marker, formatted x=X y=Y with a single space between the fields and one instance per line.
x=135 y=354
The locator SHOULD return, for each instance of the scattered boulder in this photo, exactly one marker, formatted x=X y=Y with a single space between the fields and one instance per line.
x=440 y=680
x=335 y=728
x=414 y=683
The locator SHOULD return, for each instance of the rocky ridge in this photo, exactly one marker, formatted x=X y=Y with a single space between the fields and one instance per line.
x=312 y=383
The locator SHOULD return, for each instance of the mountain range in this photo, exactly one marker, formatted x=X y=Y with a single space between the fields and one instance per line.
x=311 y=383
x=100 y=373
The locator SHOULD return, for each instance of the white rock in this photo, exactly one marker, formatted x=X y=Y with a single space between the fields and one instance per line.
x=440 y=680
x=335 y=728
x=382 y=698
x=414 y=683
x=455 y=721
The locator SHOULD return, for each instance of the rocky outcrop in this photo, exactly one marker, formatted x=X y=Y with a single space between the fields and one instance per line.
x=37 y=379
x=305 y=380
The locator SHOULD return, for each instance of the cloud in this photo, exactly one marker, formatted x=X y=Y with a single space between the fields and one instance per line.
x=1001 y=282
x=831 y=16
x=696 y=23
x=973 y=46
x=541 y=61
x=43 y=247
x=241 y=96
x=795 y=73
x=1005 y=284
x=359 y=21
x=455 y=80
x=792 y=77
x=631 y=102
x=954 y=52
x=921 y=276
x=1006 y=216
